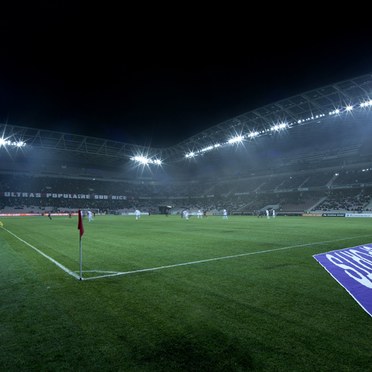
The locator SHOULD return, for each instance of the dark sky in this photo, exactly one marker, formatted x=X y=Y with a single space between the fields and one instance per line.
x=146 y=80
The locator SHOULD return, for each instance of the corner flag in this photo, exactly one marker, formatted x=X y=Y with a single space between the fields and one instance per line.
x=80 y=224
x=81 y=230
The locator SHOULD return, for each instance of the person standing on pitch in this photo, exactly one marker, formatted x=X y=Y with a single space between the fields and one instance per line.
x=137 y=213
x=90 y=216
x=224 y=214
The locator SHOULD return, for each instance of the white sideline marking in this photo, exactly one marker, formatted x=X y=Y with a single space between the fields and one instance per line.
x=114 y=273
x=223 y=258
x=68 y=271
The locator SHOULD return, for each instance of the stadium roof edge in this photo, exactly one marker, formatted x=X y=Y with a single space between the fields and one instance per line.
x=305 y=106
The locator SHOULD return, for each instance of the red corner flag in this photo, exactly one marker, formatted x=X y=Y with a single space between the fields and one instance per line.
x=80 y=224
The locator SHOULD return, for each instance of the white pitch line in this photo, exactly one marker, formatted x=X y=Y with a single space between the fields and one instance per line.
x=68 y=271
x=112 y=273
x=222 y=258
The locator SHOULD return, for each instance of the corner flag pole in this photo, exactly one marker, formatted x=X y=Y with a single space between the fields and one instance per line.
x=81 y=259
x=81 y=232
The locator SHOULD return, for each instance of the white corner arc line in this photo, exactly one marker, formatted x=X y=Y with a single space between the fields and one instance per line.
x=64 y=268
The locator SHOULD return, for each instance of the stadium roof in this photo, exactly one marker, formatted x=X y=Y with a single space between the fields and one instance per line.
x=297 y=110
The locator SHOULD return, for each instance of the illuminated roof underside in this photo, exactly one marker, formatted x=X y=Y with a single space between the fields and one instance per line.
x=336 y=99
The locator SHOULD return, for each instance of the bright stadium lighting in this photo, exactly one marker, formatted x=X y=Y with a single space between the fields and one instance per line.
x=5 y=142
x=278 y=127
x=208 y=148
x=144 y=160
x=140 y=159
x=282 y=125
x=236 y=139
x=253 y=134
x=366 y=103
x=334 y=112
x=191 y=154
x=349 y=108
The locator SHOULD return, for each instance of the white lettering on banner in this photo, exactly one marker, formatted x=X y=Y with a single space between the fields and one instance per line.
x=351 y=271
x=13 y=194
x=356 y=256
x=18 y=194
x=100 y=197
x=67 y=196
x=358 y=215
x=368 y=249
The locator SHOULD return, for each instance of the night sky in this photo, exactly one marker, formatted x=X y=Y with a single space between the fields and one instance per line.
x=120 y=75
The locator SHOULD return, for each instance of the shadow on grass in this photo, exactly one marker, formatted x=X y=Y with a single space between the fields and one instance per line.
x=199 y=350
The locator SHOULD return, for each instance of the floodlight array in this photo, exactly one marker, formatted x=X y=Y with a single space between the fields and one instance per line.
x=144 y=160
x=5 y=142
x=237 y=139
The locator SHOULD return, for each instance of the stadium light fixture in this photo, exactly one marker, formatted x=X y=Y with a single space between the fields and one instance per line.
x=5 y=142
x=208 y=148
x=193 y=154
x=236 y=139
x=366 y=103
x=335 y=112
x=144 y=160
x=253 y=134
x=189 y=155
x=278 y=127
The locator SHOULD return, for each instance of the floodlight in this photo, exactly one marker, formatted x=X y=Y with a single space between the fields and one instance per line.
x=5 y=142
x=278 y=127
x=366 y=103
x=253 y=134
x=235 y=139
x=190 y=155
x=144 y=160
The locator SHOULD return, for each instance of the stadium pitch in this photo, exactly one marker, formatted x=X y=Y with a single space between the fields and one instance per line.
x=237 y=294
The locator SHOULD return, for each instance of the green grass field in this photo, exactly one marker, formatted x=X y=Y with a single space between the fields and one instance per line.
x=243 y=294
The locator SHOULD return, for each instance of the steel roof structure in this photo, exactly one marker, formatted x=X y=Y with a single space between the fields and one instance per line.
x=296 y=110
